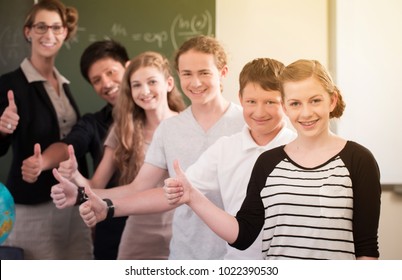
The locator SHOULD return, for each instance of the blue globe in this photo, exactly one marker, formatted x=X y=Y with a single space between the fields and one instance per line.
x=7 y=213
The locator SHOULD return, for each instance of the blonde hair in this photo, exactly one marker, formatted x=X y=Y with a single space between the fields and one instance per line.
x=68 y=15
x=303 y=69
x=130 y=118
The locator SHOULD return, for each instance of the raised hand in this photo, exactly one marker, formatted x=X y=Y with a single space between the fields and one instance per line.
x=177 y=190
x=10 y=118
x=94 y=210
x=68 y=168
x=64 y=194
x=32 y=167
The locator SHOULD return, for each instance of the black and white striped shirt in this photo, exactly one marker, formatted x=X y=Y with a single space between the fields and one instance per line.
x=327 y=212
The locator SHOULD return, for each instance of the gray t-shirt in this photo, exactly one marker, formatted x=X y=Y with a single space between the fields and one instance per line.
x=182 y=138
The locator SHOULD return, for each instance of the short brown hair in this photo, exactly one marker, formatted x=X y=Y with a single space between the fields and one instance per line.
x=262 y=71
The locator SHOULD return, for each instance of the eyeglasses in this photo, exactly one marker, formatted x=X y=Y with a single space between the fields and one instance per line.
x=41 y=28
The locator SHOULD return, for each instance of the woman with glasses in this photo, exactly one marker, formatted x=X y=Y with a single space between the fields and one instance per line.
x=36 y=106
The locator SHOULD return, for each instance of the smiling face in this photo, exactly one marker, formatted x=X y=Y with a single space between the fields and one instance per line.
x=48 y=44
x=262 y=111
x=149 y=88
x=308 y=106
x=200 y=78
x=106 y=75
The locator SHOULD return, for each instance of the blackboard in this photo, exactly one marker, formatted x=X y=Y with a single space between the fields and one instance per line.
x=13 y=47
x=140 y=25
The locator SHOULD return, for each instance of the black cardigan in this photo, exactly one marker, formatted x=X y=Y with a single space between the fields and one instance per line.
x=38 y=124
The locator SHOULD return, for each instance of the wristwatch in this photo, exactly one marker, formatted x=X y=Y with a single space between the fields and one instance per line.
x=81 y=196
x=110 y=208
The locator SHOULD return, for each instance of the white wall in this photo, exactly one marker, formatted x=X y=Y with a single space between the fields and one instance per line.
x=368 y=62
x=285 y=30
x=368 y=59
x=291 y=29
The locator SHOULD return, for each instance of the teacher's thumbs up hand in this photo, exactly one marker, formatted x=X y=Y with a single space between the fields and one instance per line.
x=10 y=118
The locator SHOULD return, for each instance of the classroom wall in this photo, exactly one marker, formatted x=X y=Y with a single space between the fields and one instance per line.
x=368 y=58
x=285 y=30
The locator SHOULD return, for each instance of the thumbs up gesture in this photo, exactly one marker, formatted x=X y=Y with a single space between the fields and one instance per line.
x=94 y=210
x=32 y=166
x=10 y=118
x=69 y=168
x=64 y=194
x=177 y=190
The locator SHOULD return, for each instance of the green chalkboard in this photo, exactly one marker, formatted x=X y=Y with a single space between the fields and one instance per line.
x=140 y=25
x=13 y=49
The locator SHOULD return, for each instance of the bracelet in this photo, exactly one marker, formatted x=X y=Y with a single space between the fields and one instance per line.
x=81 y=196
x=110 y=208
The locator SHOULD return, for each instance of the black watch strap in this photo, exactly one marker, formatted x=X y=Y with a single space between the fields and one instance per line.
x=110 y=208
x=81 y=196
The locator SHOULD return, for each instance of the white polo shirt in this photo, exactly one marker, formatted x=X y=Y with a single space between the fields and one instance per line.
x=226 y=167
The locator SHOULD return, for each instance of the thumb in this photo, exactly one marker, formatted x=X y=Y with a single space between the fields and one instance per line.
x=89 y=193
x=71 y=152
x=57 y=175
x=177 y=168
x=11 y=102
x=37 y=150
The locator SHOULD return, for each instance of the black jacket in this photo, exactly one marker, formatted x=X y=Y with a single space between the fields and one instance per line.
x=38 y=124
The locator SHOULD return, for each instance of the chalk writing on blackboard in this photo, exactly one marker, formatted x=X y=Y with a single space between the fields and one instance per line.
x=117 y=29
x=158 y=38
x=181 y=29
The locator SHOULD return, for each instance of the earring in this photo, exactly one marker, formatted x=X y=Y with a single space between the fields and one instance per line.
x=29 y=39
